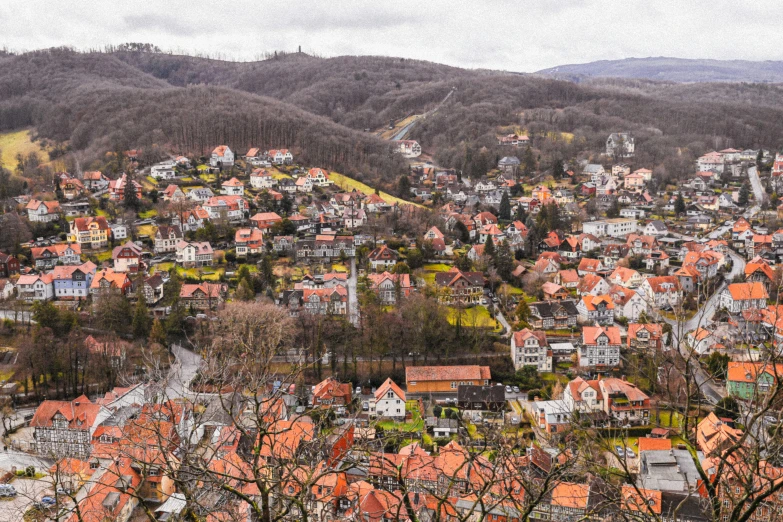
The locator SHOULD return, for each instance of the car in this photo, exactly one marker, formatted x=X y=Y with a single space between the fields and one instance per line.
x=63 y=491
x=358 y=390
x=495 y=299
x=620 y=451
x=508 y=389
x=48 y=501
x=366 y=406
x=484 y=301
x=516 y=389
x=630 y=454
x=7 y=490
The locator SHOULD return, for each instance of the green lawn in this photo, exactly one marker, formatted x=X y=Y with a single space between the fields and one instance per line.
x=148 y=230
x=205 y=273
x=151 y=180
x=208 y=178
x=476 y=316
x=348 y=184
x=148 y=214
x=18 y=142
x=667 y=418
x=437 y=267
x=339 y=267
x=510 y=289
x=103 y=256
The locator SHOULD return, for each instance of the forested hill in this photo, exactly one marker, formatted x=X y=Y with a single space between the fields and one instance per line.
x=673 y=69
x=321 y=109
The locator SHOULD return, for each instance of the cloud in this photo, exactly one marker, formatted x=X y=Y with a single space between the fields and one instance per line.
x=515 y=35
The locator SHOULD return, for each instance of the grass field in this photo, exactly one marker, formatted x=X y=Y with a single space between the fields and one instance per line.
x=437 y=267
x=347 y=184
x=475 y=317
x=18 y=142
x=207 y=178
x=388 y=134
x=148 y=214
x=147 y=230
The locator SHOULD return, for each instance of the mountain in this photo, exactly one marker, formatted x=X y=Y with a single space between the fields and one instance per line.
x=321 y=108
x=673 y=70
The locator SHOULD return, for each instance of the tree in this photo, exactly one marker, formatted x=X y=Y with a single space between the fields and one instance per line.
x=504 y=212
x=558 y=170
x=727 y=407
x=401 y=268
x=744 y=195
x=437 y=411
x=528 y=163
x=404 y=186
x=614 y=209
x=462 y=230
x=131 y=198
x=141 y=317
x=157 y=333
x=679 y=205
x=504 y=260
x=489 y=248
x=415 y=258
x=244 y=291
x=463 y=263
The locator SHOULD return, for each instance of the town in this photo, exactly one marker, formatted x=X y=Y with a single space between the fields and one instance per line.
x=238 y=334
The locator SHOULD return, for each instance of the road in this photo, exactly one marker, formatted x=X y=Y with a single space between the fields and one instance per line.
x=405 y=130
x=182 y=372
x=758 y=190
x=353 y=295
x=702 y=318
x=502 y=320
x=17 y=317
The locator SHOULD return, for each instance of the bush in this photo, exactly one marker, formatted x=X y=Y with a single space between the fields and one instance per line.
x=532 y=394
x=29 y=471
x=437 y=411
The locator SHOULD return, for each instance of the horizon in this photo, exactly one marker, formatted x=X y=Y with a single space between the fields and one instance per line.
x=510 y=36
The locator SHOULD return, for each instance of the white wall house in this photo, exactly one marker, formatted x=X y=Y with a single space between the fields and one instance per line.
x=221 y=156
x=616 y=227
x=389 y=401
x=529 y=348
x=193 y=253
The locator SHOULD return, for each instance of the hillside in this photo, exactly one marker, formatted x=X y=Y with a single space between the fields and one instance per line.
x=672 y=70
x=321 y=107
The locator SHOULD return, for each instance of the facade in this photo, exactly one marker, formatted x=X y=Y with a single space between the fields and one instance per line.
x=408 y=148
x=620 y=144
x=390 y=287
x=203 y=296
x=232 y=187
x=72 y=283
x=89 y=232
x=9 y=265
x=166 y=238
x=231 y=208
x=63 y=428
x=663 y=292
x=194 y=253
x=596 y=309
x=600 y=347
x=128 y=258
x=248 y=241
x=743 y=296
x=382 y=258
x=645 y=336
x=460 y=287
x=389 y=401
x=117 y=188
x=616 y=227
x=330 y=392
x=221 y=156
x=43 y=211
x=35 y=287
x=426 y=379
x=553 y=315
x=750 y=380
x=530 y=348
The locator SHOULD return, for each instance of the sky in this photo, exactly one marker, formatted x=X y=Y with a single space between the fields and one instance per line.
x=512 y=35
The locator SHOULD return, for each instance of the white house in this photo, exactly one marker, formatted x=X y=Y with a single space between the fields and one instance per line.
x=616 y=227
x=222 y=156
x=583 y=396
x=319 y=177
x=35 y=287
x=389 y=401
x=200 y=194
x=662 y=292
x=232 y=187
x=164 y=170
x=743 y=296
x=280 y=156
x=655 y=228
x=408 y=148
x=262 y=179
x=193 y=253
x=304 y=184
x=529 y=348
x=43 y=211
x=600 y=347
x=166 y=238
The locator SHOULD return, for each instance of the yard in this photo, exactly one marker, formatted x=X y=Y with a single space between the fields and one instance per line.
x=437 y=267
x=206 y=273
x=18 y=142
x=474 y=317
x=147 y=230
x=415 y=424
x=148 y=214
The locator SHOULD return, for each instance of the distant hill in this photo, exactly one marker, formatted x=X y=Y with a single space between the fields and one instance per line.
x=673 y=70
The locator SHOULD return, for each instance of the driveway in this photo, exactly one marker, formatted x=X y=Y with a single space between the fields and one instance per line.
x=28 y=491
x=755 y=183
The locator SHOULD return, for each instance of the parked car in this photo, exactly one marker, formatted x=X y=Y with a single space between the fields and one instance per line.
x=630 y=454
x=620 y=451
x=358 y=390
x=508 y=389
x=516 y=389
x=7 y=490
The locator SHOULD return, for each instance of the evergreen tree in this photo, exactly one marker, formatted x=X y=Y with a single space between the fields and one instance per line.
x=489 y=248
x=759 y=158
x=614 y=210
x=131 y=198
x=142 y=322
x=245 y=291
x=157 y=333
x=744 y=195
x=679 y=205
x=462 y=230
x=504 y=260
x=504 y=212
x=558 y=170
x=266 y=272
x=404 y=186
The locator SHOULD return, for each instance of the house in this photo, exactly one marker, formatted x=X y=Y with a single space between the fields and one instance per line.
x=72 y=283
x=164 y=170
x=166 y=238
x=390 y=287
x=552 y=417
x=42 y=211
x=594 y=172
x=655 y=228
x=626 y=277
x=325 y=246
x=280 y=156
x=481 y=398
x=553 y=315
x=382 y=257
x=316 y=301
x=567 y=278
x=200 y=194
x=645 y=337
x=261 y=179
x=624 y=402
x=627 y=303
x=509 y=165
x=706 y=263
x=620 y=144
x=485 y=218
x=330 y=392
x=117 y=188
x=232 y=187
x=248 y=241
x=689 y=278
x=6 y=289
x=203 y=296
x=641 y=245
x=433 y=233
x=563 y=197
x=596 y=309
x=743 y=296
x=304 y=184
x=458 y=286
x=434 y=379
x=115 y=350
x=35 y=287
x=173 y=193
x=194 y=253
x=757 y=270
x=90 y=232
x=615 y=227
x=232 y=208
x=265 y=220
x=492 y=231
x=221 y=156
x=589 y=266
x=530 y=348
x=107 y=280
x=95 y=181
x=712 y=161
x=128 y=258
x=65 y=428
x=9 y=265
x=283 y=244
x=408 y=148
x=583 y=396
x=662 y=292
x=750 y=380
x=634 y=182
x=600 y=347
x=151 y=288
x=515 y=140
x=592 y=284
x=388 y=402
x=319 y=177
x=191 y=220
x=715 y=435
x=553 y=291
x=476 y=252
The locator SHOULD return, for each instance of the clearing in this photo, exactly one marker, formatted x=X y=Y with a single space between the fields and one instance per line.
x=18 y=142
x=474 y=317
x=346 y=183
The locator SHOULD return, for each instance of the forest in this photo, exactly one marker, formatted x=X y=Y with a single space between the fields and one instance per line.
x=136 y=97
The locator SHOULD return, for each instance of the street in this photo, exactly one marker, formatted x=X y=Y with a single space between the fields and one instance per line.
x=758 y=190
x=353 y=296
x=182 y=372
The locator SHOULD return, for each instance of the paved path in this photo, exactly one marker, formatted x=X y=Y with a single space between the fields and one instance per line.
x=353 y=295
x=755 y=183
x=182 y=372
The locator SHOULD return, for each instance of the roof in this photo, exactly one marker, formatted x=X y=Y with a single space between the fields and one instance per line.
x=220 y=150
x=656 y=330
x=233 y=182
x=452 y=276
x=748 y=372
x=589 y=265
x=551 y=288
x=570 y=495
x=663 y=284
x=742 y=291
x=209 y=289
x=486 y=394
x=591 y=333
x=83 y=223
x=521 y=336
x=330 y=388
x=624 y=274
x=578 y=385
x=591 y=302
x=389 y=385
x=57 y=250
x=80 y=413
x=650 y=443
x=446 y=373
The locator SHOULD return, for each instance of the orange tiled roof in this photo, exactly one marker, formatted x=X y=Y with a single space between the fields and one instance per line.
x=446 y=373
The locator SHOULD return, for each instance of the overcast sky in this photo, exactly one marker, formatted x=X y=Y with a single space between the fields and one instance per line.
x=515 y=35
